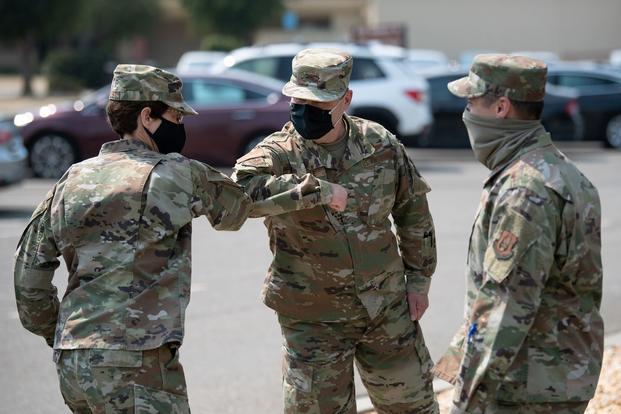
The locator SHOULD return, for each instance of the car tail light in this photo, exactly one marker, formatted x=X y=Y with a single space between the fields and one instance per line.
x=5 y=136
x=572 y=107
x=416 y=95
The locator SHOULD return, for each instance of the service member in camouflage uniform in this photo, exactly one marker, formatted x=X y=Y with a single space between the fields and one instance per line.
x=532 y=337
x=122 y=222
x=327 y=184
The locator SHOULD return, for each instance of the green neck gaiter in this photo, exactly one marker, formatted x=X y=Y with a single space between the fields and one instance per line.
x=496 y=140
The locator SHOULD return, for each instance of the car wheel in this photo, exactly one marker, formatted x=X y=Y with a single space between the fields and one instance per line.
x=50 y=155
x=613 y=132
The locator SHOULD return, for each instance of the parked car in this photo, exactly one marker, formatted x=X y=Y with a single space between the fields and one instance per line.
x=235 y=112
x=561 y=115
x=198 y=60
x=13 y=155
x=385 y=88
x=424 y=59
x=599 y=97
x=550 y=58
x=615 y=58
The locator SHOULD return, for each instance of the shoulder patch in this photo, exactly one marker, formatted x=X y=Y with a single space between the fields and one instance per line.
x=504 y=245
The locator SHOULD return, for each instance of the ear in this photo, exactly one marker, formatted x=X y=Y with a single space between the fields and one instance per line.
x=145 y=116
x=348 y=96
x=503 y=107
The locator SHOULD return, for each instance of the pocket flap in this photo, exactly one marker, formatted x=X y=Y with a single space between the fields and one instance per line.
x=150 y=400
x=115 y=358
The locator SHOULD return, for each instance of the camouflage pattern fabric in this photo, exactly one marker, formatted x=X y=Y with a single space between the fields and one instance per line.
x=517 y=77
x=325 y=262
x=532 y=333
x=496 y=407
x=103 y=381
x=320 y=75
x=148 y=83
x=335 y=273
x=390 y=354
x=122 y=222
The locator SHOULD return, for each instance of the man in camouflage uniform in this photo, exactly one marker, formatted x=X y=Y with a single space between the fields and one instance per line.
x=122 y=222
x=327 y=184
x=532 y=337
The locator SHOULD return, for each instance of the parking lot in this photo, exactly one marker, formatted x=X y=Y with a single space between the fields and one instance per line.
x=232 y=346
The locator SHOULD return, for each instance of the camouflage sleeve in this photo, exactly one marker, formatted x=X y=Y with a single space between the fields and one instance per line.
x=36 y=259
x=517 y=263
x=217 y=197
x=260 y=172
x=414 y=224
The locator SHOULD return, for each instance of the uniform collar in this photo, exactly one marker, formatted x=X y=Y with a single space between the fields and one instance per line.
x=539 y=141
x=316 y=156
x=124 y=145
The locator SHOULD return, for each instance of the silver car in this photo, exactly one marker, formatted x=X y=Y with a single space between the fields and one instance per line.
x=13 y=155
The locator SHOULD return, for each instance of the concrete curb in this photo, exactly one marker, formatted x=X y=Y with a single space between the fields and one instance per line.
x=363 y=402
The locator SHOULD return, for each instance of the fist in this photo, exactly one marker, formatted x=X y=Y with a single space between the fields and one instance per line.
x=339 y=197
x=418 y=304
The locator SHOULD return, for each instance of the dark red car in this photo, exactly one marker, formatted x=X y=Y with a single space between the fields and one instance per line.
x=236 y=111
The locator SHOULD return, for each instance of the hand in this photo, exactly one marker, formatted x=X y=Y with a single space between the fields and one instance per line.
x=418 y=305
x=339 y=197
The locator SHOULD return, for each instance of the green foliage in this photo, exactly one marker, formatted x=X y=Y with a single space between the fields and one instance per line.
x=237 y=18
x=36 y=19
x=220 y=43
x=71 y=71
x=104 y=23
x=92 y=28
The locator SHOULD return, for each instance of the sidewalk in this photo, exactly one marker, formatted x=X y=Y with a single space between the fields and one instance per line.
x=12 y=102
x=607 y=399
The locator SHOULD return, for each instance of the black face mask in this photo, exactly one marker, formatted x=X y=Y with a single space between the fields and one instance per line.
x=310 y=122
x=169 y=136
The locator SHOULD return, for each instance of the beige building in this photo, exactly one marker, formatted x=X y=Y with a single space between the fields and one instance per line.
x=574 y=29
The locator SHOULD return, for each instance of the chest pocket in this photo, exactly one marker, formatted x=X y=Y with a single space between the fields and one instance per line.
x=374 y=189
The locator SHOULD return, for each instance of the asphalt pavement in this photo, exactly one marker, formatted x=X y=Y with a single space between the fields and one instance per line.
x=232 y=349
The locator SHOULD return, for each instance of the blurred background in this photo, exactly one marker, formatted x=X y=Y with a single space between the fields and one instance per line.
x=56 y=63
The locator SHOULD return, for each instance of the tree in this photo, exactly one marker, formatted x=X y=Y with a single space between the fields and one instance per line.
x=237 y=18
x=28 y=24
x=104 y=23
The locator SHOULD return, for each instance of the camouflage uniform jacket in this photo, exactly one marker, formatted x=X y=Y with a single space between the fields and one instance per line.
x=122 y=222
x=326 y=263
x=532 y=330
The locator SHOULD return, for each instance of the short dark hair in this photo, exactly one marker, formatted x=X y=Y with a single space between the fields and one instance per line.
x=526 y=110
x=123 y=115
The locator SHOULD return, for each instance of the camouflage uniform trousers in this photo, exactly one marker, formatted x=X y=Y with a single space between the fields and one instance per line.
x=120 y=381
x=501 y=407
x=390 y=354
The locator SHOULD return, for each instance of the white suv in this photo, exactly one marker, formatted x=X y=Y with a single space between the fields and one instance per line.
x=385 y=89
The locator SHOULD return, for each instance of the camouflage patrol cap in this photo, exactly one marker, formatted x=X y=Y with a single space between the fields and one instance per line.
x=516 y=77
x=319 y=75
x=148 y=83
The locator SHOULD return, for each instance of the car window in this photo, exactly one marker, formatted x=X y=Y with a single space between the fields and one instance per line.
x=284 y=68
x=441 y=97
x=267 y=66
x=365 y=68
x=203 y=93
x=580 y=80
